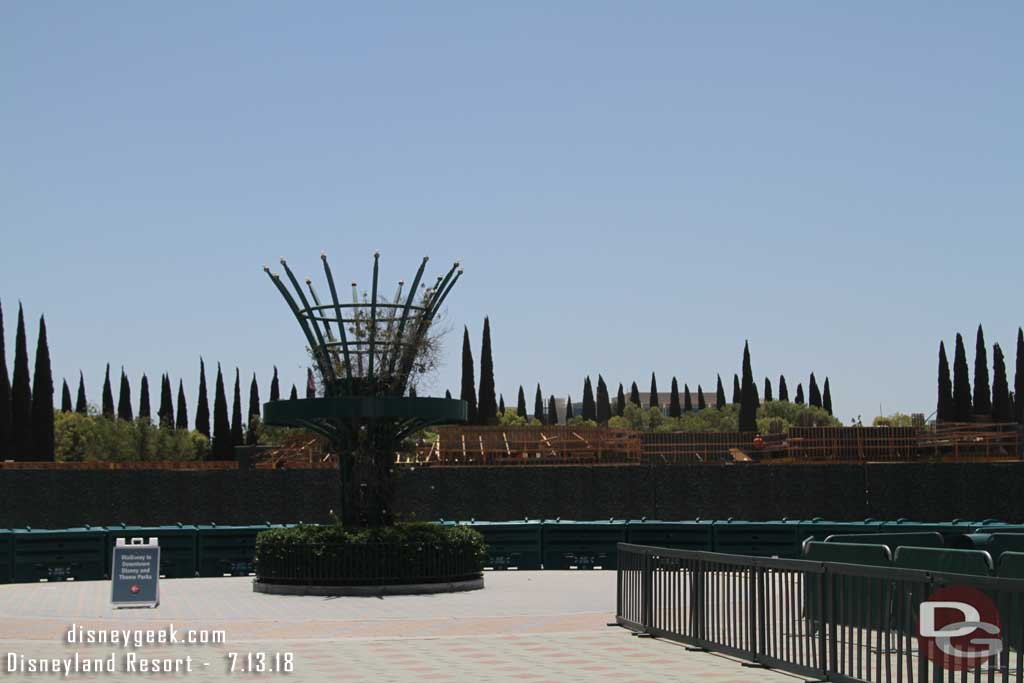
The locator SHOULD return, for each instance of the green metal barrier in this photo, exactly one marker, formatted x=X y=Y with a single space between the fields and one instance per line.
x=849 y=553
x=973 y=562
x=819 y=529
x=1011 y=607
x=6 y=555
x=765 y=539
x=850 y=590
x=59 y=555
x=178 y=545
x=920 y=539
x=994 y=544
x=514 y=544
x=685 y=535
x=582 y=545
x=226 y=549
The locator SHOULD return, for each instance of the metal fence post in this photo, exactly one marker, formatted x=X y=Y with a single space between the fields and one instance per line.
x=646 y=593
x=758 y=617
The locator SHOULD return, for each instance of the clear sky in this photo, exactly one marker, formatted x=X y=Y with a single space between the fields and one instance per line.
x=632 y=187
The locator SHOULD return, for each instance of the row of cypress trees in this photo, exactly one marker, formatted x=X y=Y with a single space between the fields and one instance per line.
x=225 y=433
x=27 y=407
x=957 y=403
x=26 y=403
x=484 y=410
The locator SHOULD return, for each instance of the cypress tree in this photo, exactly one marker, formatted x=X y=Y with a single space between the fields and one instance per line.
x=237 y=435
x=674 y=407
x=5 y=396
x=687 y=399
x=448 y=394
x=65 y=398
x=275 y=388
x=487 y=406
x=21 y=396
x=826 y=398
x=737 y=391
x=538 y=407
x=653 y=403
x=944 y=409
x=468 y=393
x=720 y=394
x=1001 y=410
x=589 y=407
x=294 y=395
x=620 y=401
x=144 y=398
x=108 y=396
x=124 y=399
x=253 y=417
x=961 y=384
x=604 y=405
x=1018 y=379
x=783 y=389
x=501 y=404
x=42 y=399
x=568 y=409
x=221 y=449
x=81 y=405
x=181 y=421
x=799 y=394
x=521 y=403
x=814 y=393
x=412 y=391
x=634 y=395
x=748 y=395
x=203 y=404
x=552 y=411
x=310 y=384
x=982 y=391
x=701 y=403
x=165 y=413
x=767 y=390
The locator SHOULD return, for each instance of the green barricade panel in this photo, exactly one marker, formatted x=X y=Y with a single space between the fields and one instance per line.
x=973 y=562
x=6 y=555
x=514 y=544
x=581 y=545
x=853 y=590
x=177 y=547
x=762 y=539
x=922 y=539
x=685 y=535
x=1011 y=605
x=819 y=529
x=1011 y=566
x=59 y=555
x=848 y=553
x=995 y=544
x=224 y=550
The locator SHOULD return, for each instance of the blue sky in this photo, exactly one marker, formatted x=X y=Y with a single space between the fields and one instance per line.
x=632 y=187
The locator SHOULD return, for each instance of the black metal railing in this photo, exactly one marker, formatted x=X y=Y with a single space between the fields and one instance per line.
x=830 y=621
x=369 y=564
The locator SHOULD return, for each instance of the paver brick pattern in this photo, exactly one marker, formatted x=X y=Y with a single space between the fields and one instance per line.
x=529 y=627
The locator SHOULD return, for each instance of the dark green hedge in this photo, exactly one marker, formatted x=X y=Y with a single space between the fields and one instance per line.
x=405 y=553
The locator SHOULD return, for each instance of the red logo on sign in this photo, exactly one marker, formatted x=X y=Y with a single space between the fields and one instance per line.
x=135 y=588
x=958 y=628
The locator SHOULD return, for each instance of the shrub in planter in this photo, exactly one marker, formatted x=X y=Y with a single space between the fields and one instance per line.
x=417 y=552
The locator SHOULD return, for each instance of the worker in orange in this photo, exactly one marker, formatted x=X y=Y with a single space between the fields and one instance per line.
x=758 y=442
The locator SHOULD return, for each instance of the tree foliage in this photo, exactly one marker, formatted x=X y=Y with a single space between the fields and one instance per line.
x=982 y=390
x=944 y=410
x=961 y=383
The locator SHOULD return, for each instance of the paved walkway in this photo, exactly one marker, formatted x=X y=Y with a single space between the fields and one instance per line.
x=524 y=626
